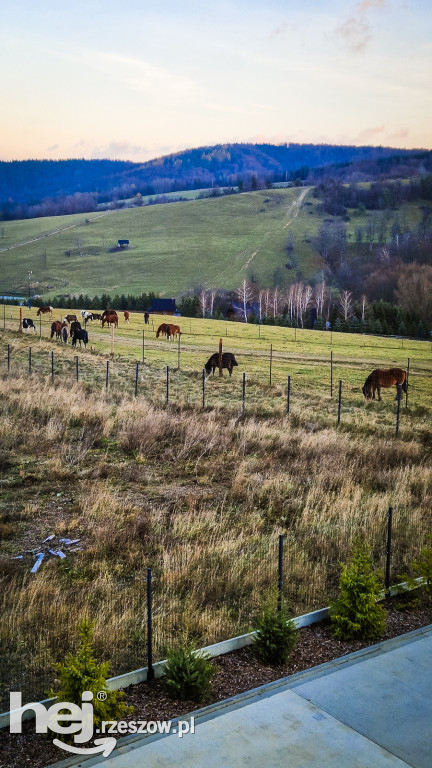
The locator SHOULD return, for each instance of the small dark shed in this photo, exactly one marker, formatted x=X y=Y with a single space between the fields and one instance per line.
x=164 y=307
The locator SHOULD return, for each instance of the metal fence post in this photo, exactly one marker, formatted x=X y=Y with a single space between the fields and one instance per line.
x=167 y=384
x=271 y=360
x=30 y=361
x=136 y=379
x=8 y=358
x=178 y=353
x=244 y=392
x=340 y=400
x=388 y=550
x=150 y=670
x=406 y=382
x=399 y=396
x=280 y=572
x=203 y=387
x=52 y=365
x=288 y=394
x=76 y=367
x=331 y=373
x=107 y=375
x=143 y=344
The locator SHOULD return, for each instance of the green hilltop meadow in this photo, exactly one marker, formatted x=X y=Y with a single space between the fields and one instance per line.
x=213 y=242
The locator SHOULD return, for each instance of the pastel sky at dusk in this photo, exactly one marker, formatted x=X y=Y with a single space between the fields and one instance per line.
x=135 y=80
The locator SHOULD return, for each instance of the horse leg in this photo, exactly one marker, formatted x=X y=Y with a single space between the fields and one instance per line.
x=379 y=392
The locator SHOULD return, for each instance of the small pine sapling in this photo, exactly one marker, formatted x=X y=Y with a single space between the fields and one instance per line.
x=276 y=634
x=81 y=672
x=356 y=615
x=188 y=673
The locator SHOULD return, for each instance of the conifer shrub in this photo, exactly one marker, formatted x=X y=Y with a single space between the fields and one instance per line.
x=189 y=673
x=81 y=672
x=356 y=615
x=276 y=635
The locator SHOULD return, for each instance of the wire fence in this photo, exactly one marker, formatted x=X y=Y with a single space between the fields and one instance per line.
x=204 y=599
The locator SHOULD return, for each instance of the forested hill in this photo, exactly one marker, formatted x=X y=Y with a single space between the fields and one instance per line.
x=47 y=187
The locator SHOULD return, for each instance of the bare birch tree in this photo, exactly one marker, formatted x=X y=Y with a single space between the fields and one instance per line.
x=244 y=294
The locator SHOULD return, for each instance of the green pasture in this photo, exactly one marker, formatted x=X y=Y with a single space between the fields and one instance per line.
x=215 y=242
x=308 y=357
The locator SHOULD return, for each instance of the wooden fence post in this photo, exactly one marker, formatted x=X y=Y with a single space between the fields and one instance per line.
x=220 y=358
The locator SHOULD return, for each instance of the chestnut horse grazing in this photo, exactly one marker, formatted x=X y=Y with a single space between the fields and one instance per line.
x=174 y=330
x=383 y=378
x=110 y=317
x=126 y=316
x=45 y=310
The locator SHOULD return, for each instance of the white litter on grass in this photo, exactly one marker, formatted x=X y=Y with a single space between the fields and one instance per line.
x=68 y=542
x=40 y=557
x=49 y=538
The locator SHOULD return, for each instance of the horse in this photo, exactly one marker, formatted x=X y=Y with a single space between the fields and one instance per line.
x=70 y=318
x=383 y=378
x=164 y=330
x=80 y=335
x=45 y=310
x=56 y=328
x=75 y=326
x=146 y=318
x=126 y=316
x=174 y=330
x=110 y=317
x=64 y=334
x=96 y=316
x=228 y=361
x=28 y=323
x=86 y=316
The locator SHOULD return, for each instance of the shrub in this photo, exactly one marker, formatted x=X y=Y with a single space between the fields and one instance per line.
x=81 y=672
x=188 y=673
x=355 y=615
x=276 y=635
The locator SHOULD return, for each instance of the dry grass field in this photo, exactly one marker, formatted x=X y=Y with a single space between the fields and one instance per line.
x=199 y=494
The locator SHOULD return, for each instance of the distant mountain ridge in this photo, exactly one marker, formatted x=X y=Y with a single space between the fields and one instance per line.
x=28 y=182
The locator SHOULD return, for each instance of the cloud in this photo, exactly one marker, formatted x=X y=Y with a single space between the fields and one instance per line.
x=144 y=77
x=356 y=31
x=120 y=150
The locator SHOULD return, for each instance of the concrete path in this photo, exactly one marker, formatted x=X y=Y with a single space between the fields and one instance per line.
x=371 y=709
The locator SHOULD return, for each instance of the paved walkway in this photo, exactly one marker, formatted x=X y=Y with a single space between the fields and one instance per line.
x=371 y=709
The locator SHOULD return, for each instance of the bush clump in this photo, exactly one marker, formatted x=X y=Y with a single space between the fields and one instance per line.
x=81 y=672
x=189 y=673
x=276 y=635
x=355 y=615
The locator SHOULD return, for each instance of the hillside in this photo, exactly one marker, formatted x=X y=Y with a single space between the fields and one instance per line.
x=269 y=236
x=44 y=187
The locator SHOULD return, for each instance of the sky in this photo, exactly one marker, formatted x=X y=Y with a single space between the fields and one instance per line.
x=136 y=80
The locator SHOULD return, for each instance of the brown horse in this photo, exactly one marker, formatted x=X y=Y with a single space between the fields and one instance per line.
x=164 y=330
x=126 y=316
x=146 y=318
x=56 y=328
x=70 y=318
x=174 y=330
x=45 y=310
x=383 y=378
x=110 y=318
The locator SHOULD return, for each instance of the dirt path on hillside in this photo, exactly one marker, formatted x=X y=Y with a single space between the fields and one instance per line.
x=292 y=213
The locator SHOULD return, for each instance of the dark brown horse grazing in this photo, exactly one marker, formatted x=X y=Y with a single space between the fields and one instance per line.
x=163 y=329
x=126 y=316
x=45 y=310
x=383 y=378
